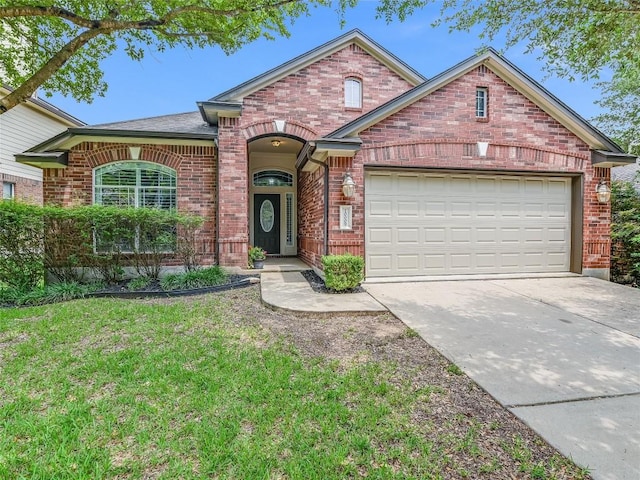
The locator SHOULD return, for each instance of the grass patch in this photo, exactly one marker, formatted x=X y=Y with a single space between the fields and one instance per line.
x=191 y=389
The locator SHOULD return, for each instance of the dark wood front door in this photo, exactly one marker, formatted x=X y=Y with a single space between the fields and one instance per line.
x=266 y=222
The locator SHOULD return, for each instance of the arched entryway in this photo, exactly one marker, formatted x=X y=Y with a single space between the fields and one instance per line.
x=273 y=193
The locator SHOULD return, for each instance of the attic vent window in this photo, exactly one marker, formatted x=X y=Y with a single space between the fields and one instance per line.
x=482 y=102
x=352 y=93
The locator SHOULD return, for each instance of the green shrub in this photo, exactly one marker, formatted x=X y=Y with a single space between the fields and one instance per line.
x=21 y=245
x=68 y=242
x=187 y=242
x=625 y=233
x=206 y=277
x=138 y=283
x=343 y=272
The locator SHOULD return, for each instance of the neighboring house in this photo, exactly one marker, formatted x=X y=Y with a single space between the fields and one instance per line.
x=22 y=127
x=628 y=173
x=477 y=170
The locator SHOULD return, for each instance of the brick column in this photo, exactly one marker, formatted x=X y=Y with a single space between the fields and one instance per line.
x=596 y=253
x=233 y=194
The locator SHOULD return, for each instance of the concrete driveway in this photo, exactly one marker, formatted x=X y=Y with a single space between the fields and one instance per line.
x=563 y=354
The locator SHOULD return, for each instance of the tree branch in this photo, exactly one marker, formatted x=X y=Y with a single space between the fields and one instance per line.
x=24 y=91
x=146 y=24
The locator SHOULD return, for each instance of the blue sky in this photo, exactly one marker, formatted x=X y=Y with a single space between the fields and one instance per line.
x=172 y=81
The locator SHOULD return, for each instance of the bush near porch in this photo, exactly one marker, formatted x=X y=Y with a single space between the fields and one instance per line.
x=625 y=233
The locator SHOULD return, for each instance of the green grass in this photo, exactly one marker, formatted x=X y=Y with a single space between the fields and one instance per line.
x=105 y=388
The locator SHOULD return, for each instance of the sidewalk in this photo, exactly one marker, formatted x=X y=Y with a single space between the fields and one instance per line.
x=283 y=287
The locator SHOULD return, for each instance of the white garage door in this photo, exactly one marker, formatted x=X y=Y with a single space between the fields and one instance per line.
x=446 y=224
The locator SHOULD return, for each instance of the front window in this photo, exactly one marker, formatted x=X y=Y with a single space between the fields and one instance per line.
x=136 y=185
x=482 y=97
x=352 y=93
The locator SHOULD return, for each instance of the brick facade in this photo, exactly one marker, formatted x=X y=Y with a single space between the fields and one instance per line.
x=196 y=180
x=442 y=131
x=438 y=131
x=25 y=189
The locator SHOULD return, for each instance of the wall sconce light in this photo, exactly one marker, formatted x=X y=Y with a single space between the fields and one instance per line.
x=348 y=185
x=603 y=192
x=276 y=142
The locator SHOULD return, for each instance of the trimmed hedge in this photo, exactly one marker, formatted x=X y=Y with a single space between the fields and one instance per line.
x=68 y=242
x=343 y=272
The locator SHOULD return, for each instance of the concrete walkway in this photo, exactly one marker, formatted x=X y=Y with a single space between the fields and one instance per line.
x=291 y=291
x=563 y=354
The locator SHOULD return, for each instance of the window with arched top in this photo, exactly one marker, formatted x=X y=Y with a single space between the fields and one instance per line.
x=135 y=184
x=352 y=92
x=272 y=178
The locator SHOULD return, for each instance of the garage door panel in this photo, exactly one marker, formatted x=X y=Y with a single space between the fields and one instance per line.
x=438 y=224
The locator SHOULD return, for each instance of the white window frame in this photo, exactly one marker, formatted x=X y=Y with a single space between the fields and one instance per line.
x=8 y=190
x=137 y=188
x=482 y=102
x=352 y=92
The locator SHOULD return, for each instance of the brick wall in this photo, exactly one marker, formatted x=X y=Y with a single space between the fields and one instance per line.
x=441 y=131
x=233 y=194
x=311 y=221
x=311 y=102
x=25 y=189
x=314 y=96
x=196 y=180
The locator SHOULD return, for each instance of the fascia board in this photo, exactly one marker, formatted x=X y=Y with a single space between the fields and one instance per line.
x=73 y=137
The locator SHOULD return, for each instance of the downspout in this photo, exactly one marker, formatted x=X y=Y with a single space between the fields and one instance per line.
x=326 y=201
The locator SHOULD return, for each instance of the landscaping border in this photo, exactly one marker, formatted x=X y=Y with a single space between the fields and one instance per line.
x=245 y=282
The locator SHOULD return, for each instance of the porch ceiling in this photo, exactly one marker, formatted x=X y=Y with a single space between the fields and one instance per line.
x=287 y=145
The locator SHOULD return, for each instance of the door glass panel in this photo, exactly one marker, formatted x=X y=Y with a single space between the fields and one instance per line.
x=267 y=215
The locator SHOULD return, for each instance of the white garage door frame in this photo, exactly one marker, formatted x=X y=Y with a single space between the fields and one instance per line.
x=437 y=222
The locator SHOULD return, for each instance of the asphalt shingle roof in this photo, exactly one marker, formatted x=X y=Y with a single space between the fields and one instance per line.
x=189 y=122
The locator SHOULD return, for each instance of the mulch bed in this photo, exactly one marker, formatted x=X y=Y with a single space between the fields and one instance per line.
x=154 y=289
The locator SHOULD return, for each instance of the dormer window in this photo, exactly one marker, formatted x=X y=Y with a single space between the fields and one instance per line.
x=352 y=93
x=482 y=103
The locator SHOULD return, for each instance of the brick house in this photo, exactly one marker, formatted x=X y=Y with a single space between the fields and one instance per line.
x=476 y=170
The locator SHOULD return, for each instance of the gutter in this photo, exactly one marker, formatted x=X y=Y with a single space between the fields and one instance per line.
x=326 y=200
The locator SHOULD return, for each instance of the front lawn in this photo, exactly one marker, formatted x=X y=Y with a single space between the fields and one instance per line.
x=217 y=386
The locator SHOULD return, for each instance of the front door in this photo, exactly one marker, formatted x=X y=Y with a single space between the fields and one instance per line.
x=266 y=222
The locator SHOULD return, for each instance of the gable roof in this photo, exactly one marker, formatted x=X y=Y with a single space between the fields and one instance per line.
x=354 y=36
x=48 y=108
x=510 y=74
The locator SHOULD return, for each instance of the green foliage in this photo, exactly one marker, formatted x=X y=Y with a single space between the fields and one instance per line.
x=343 y=272
x=625 y=233
x=44 y=294
x=188 y=249
x=61 y=49
x=69 y=241
x=138 y=283
x=256 y=253
x=206 y=277
x=582 y=39
x=22 y=238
